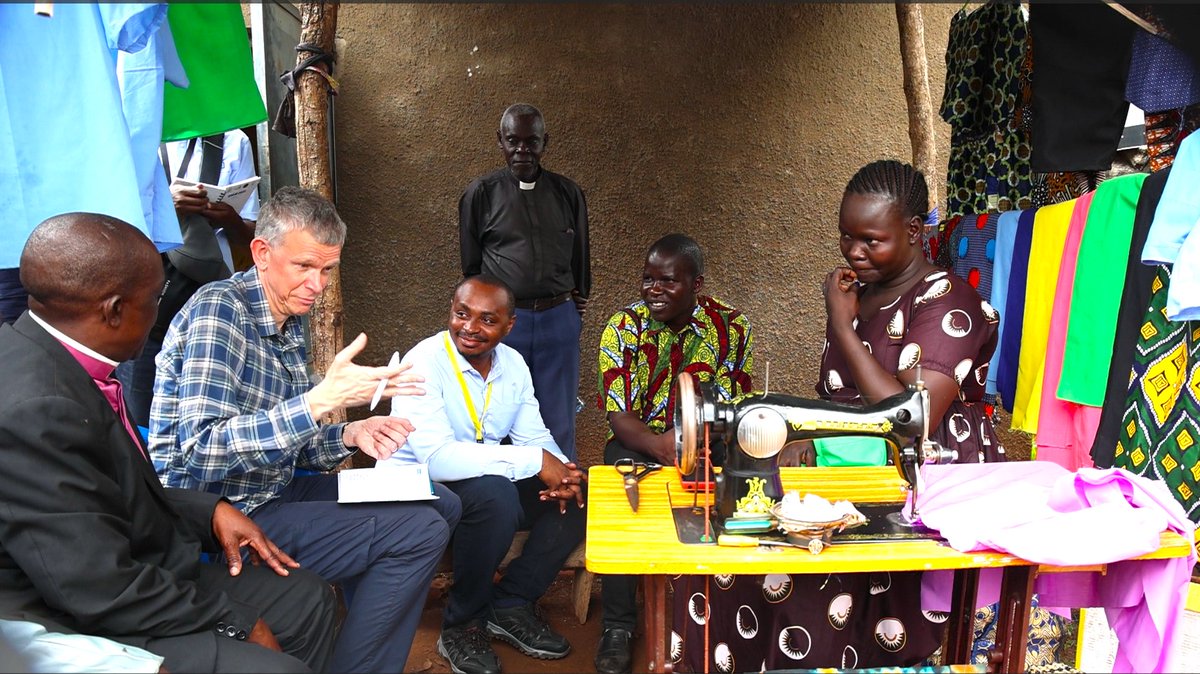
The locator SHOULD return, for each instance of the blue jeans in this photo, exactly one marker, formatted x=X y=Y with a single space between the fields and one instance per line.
x=384 y=554
x=549 y=342
x=493 y=509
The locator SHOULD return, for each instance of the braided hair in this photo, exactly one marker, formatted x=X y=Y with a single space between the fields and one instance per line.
x=897 y=181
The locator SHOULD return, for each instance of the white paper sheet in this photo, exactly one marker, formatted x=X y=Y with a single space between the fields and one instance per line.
x=401 y=483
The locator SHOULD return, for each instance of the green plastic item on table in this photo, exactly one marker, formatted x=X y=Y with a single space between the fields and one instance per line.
x=851 y=450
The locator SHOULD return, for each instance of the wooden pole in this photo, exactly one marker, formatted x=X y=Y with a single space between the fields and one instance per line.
x=916 y=94
x=318 y=23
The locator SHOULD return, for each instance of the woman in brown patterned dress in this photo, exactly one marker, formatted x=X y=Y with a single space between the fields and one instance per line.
x=889 y=311
x=893 y=317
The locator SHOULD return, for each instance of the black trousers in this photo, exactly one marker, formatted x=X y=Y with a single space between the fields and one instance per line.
x=493 y=509
x=618 y=593
x=299 y=609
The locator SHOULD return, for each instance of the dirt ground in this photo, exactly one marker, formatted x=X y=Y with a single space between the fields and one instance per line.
x=556 y=604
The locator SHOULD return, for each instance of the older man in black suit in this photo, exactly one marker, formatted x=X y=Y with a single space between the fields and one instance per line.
x=90 y=541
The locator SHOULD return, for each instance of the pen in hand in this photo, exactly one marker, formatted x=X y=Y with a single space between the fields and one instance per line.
x=383 y=382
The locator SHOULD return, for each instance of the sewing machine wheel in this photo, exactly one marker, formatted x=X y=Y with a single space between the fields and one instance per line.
x=687 y=423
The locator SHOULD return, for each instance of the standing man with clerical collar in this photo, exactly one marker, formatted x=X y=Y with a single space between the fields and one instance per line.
x=529 y=227
x=674 y=330
x=479 y=392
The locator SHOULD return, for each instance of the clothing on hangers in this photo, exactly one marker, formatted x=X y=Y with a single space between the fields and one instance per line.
x=1175 y=233
x=1096 y=292
x=1006 y=239
x=1135 y=297
x=1053 y=443
x=988 y=168
x=1013 y=313
x=1045 y=257
x=1078 y=90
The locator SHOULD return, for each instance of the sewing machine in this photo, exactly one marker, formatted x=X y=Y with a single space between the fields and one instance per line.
x=744 y=437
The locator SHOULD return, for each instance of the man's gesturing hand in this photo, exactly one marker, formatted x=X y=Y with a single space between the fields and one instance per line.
x=347 y=384
x=233 y=530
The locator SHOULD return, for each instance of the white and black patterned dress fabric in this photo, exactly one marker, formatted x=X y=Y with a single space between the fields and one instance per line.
x=781 y=621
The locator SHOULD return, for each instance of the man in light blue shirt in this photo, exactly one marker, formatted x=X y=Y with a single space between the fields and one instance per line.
x=478 y=393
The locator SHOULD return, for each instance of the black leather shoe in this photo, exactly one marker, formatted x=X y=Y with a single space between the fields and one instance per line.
x=468 y=649
x=522 y=627
x=615 y=653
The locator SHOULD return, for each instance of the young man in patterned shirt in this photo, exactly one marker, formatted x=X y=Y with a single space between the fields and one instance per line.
x=673 y=330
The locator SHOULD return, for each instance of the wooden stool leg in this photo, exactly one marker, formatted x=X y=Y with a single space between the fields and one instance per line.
x=582 y=594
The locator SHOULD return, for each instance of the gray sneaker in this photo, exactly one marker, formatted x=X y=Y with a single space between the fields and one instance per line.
x=523 y=627
x=468 y=649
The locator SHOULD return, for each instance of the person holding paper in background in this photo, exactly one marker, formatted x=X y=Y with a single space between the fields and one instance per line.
x=215 y=238
x=235 y=414
x=479 y=392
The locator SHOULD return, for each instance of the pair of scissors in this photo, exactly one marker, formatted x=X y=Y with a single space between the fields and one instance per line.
x=632 y=473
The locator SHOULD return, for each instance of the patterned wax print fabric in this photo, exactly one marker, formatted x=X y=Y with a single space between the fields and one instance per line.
x=1165 y=131
x=640 y=358
x=1162 y=408
x=782 y=621
x=939 y=245
x=974 y=255
x=974 y=251
x=939 y=324
x=64 y=140
x=1045 y=256
x=1057 y=187
x=989 y=154
x=1043 y=640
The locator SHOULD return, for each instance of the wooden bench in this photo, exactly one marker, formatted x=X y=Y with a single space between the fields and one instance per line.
x=581 y=594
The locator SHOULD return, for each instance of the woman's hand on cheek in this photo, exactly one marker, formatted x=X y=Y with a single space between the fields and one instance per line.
x=841 y=296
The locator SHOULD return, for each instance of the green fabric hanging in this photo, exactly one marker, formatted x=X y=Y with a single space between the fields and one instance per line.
x=1096 y=291
x=215 y=51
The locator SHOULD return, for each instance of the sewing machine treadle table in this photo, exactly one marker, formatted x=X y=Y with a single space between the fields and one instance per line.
x=645 y=543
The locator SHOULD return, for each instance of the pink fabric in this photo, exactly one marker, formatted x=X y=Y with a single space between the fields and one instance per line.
x=1039 y=511
x=1061 y=437
x=102 y=375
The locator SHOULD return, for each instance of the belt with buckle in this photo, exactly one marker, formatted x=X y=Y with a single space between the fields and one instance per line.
x=544 y=303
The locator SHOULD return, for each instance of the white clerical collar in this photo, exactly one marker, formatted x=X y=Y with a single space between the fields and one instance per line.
x=526 y=186
x=71 y=342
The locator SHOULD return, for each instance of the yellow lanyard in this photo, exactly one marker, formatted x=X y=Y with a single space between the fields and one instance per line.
x=462 y=381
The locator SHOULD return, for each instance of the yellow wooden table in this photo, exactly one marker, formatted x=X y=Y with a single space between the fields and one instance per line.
x=622 y=541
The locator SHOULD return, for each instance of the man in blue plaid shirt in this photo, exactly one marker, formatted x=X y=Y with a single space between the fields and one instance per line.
x=235 y=413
